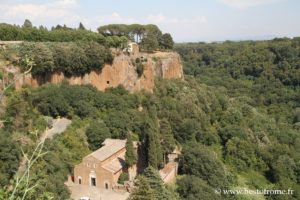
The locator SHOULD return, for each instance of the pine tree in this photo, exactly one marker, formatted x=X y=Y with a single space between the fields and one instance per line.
x=142 y=191
x=130 y=155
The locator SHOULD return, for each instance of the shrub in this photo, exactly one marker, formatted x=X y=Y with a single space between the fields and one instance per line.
x=123 y=177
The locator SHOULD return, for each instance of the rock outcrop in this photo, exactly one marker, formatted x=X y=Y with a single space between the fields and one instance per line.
x=121 y=72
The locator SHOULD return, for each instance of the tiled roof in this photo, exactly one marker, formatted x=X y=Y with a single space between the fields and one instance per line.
x=111 y=146
x=116 y=164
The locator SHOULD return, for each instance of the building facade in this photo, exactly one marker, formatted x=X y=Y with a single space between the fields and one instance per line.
x=132 y=48
x=103 y=167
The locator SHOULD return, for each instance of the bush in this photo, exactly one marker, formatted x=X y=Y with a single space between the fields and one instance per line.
x=139 y=69
x=96 y=133
x=123 y=177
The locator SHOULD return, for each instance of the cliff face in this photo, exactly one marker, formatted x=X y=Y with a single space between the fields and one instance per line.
x=121 y=72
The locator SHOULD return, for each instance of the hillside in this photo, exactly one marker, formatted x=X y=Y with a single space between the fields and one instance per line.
x=235 y=116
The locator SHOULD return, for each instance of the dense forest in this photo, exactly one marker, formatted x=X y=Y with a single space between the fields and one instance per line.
x=235 y=117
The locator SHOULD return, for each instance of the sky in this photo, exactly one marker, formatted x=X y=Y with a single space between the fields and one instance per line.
x=186 y=20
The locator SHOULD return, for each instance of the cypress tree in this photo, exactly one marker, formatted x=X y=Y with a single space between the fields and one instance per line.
x=150 y=143
x=153 y=145
x=130 y=155
x=152 y=151
x=168 y=141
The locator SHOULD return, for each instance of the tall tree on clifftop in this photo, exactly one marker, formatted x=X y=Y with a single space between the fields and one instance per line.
x=166 y=41
x=27 y=24
x=81 y=27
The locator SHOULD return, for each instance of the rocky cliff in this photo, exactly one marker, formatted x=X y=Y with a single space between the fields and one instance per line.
x=121 y=72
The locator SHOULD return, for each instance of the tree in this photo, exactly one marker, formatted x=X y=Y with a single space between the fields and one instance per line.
x=156 y=183
x=130 y=155
x=168 y=141
x=199 y=161
x=192 y=188
x=139 y=69
x=149 y=43
x=283 y=168
x=166 y=41
x=97 y=55
x=153 y=146
x=96 y=133
x=27 y=24
x=9 y=158
x=41 y=56
x=123 y=177
x=81 y=27
x=143 y=191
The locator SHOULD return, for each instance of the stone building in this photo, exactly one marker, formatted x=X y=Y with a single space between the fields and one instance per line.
x=103 y=167
x=133 y=48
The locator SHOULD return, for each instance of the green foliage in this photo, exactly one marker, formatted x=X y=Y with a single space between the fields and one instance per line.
x=139 y=69
x=199 y=161
x=123 y=177
x=20 y=114
x=153 y=145
x=69 y=58
x=150 y=43
x=166 y=41
x=168 y=141
x=96 y=133
x=235 y=113
x=130 y=155
x=148 y=36
x=63 y=101
x=156 y=184
x=58 y=34
x=27 y=24
x=253 y=114
x=41 y=56
x=192 y=188
x=143 y=191
x=10 y=155
x=63 y=153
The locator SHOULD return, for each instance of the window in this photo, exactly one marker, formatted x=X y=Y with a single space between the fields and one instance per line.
x=107 y=82
x=93 y=181
x=106 y=185
x=79 y=180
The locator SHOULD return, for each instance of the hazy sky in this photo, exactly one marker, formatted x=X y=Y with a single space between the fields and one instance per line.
x=186 y=20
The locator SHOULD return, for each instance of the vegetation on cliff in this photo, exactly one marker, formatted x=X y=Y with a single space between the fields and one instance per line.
x=75 y=52
x=235 y=117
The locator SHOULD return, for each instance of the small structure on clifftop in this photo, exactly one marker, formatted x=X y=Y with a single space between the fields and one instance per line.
x=132 y=48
